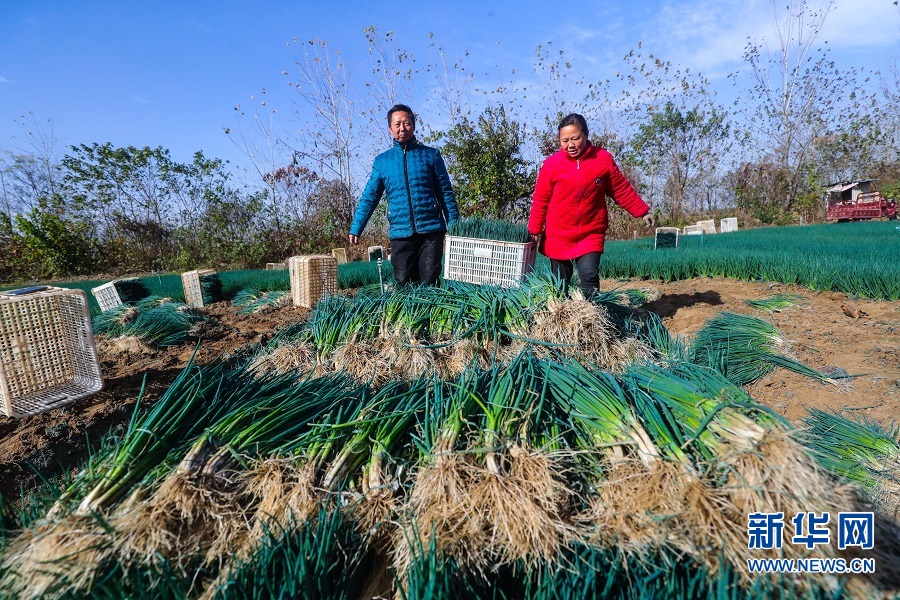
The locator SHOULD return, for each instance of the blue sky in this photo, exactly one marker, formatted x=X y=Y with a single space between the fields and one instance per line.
x=170 y=74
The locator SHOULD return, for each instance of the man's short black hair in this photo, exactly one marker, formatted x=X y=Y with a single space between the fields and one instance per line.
x=402 y=108
x=574 y=119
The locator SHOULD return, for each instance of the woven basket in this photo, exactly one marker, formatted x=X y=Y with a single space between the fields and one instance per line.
x=312 y=278
x=340 y=254
x=193 y=293
x=47 y=352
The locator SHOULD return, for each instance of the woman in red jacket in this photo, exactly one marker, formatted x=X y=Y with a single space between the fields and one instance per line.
x=569 y=204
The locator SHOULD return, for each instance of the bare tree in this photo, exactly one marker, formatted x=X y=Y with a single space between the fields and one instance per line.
x=328 y=137
x=30 y=171
x=668 y=124
x=451 y=81
x=257 y=135
x=796 y=92
x=562 y=92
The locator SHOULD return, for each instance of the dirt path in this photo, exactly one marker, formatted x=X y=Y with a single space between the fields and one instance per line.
x=821 y=334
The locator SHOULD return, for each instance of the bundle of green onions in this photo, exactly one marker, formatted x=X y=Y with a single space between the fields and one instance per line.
x=493 y=321
x=193 y=401
x=695 y=411
x=64 y=551
x=158 y=325
x=744 y=349
x=775 y=303
x=862 y=452
x=533 y=465
x=199 y=506
x=252 y=301
x=491 y=229
x=152 y=302
x=600 y=410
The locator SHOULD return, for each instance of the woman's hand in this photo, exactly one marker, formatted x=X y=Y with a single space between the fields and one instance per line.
x=648 y=220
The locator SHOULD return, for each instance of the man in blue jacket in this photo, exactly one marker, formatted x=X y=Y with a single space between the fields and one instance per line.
x=420 y=201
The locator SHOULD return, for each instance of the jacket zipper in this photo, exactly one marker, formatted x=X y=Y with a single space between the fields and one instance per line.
x=580 y=195
x=412 y=215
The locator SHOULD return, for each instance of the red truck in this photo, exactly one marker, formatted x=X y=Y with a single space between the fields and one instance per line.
x=857 y=201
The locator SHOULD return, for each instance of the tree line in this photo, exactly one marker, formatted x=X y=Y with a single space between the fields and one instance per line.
x=800 y=122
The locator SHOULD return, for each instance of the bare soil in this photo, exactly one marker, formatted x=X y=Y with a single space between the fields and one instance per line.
x=823 y=337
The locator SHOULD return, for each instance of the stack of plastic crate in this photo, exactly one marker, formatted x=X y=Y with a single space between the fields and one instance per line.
x=487 y=261
x=193 y=293
x=47 y=352
x=728 y=225
x=312 y=278
x=666 y=237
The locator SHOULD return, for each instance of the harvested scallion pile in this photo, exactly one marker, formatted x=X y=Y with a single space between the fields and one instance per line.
x=775 y=303
x=491 y=229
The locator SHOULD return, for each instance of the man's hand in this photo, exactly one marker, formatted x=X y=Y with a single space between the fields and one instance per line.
x=354 y=239
x=648 y=220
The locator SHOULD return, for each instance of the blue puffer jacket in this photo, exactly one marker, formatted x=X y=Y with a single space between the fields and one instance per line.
x=419 y=196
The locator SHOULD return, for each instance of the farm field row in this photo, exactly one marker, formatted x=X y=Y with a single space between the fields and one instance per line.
x=858 y=259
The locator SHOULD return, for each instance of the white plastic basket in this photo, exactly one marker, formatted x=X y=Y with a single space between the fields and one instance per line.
x=709 y=226
x=312 y=278
x=728 y=225
x=666 y=234
x=487 y=261
x=692 y=230
x=107 y=296
x=193 y=293
x=375 y=252
x=47 y=352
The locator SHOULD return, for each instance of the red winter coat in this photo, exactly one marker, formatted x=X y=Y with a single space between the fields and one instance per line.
x=570 y=199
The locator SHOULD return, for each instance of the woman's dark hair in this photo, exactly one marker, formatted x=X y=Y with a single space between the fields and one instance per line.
x=402 y=108
x=574 y=119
